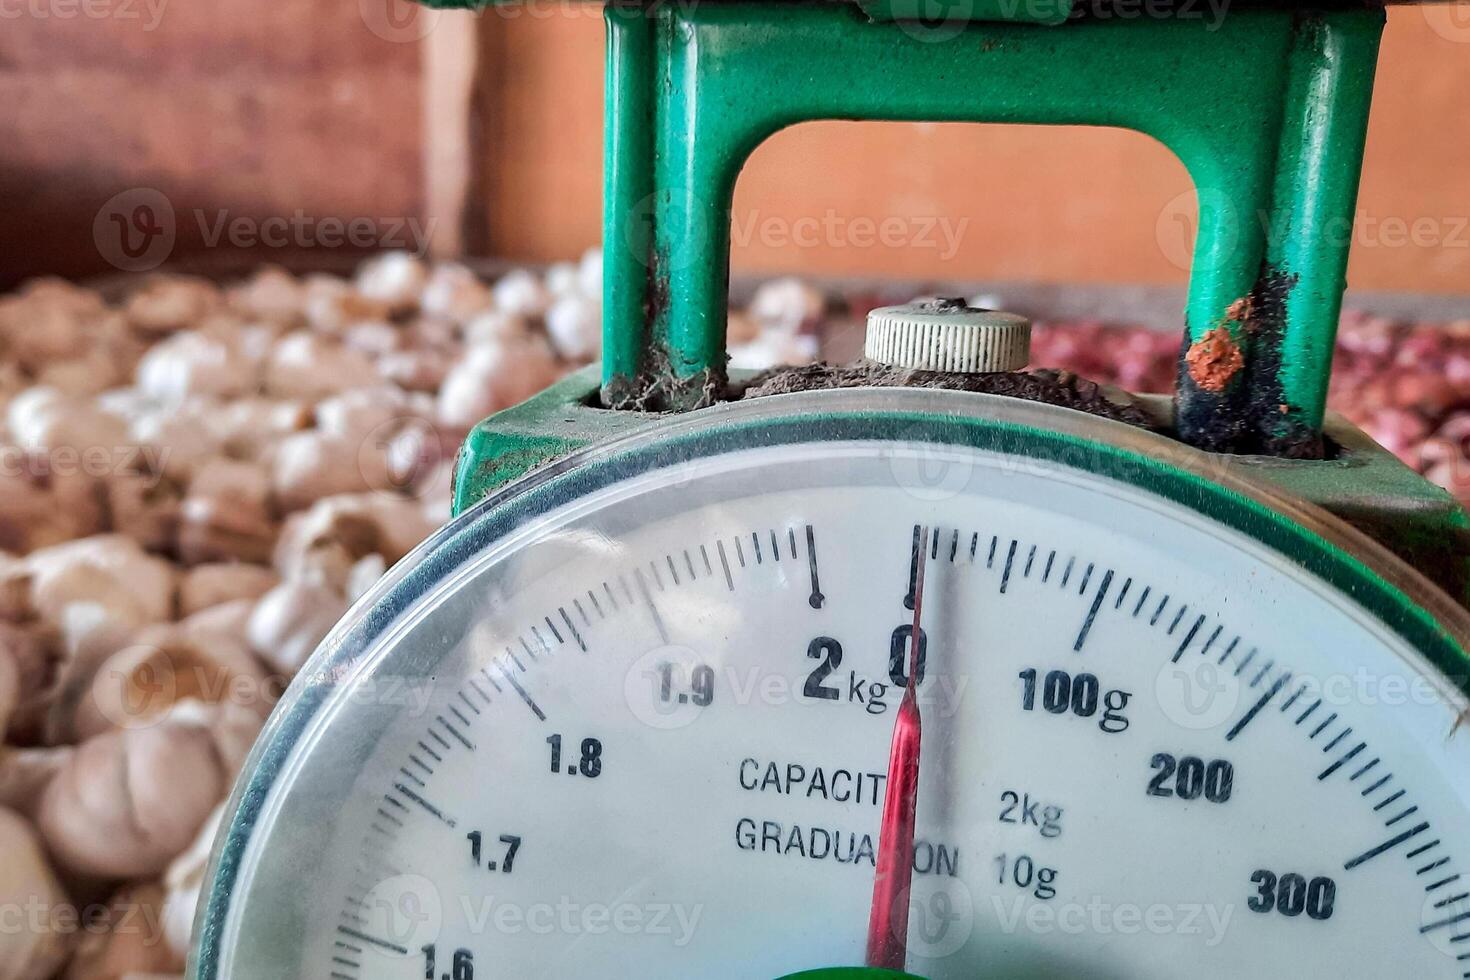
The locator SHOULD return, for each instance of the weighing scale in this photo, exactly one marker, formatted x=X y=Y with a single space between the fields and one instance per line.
x=920 y=664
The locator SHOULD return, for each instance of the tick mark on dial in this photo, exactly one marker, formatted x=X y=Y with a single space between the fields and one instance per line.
x=535 y=708
x=1310 y=708
x=908 y=599
x=1005 y=576
x=1354 y=777
x=1188 y=637
x=1393 y=820
x=1339 y=763
x=725 y=564
x=373 y=940
x=1097 y=601
x=1177 y=617
x=1256 y=680
x=1255 y=709
x=540 y=642
x=455 y=732
x=1380 y=782
x=1292 y=700
x=658 y=621
x=1430 y=867
x=1389 y=844
x=428 y=807
x=1154 y=619
x=815 y=599
x=572 y=627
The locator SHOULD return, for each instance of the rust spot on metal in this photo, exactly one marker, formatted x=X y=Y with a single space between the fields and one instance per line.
x=1214 y=359
x=1240 y=311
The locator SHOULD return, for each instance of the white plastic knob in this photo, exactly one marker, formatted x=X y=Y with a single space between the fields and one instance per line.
x=948 y=335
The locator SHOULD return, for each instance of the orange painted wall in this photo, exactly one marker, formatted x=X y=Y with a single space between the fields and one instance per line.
x=1073 y=205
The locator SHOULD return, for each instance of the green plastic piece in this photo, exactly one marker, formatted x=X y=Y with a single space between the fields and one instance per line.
x=1311 y=224
x=541 y=429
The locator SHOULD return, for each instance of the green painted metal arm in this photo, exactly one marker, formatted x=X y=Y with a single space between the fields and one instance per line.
x=1266 y=109
x=934 y=12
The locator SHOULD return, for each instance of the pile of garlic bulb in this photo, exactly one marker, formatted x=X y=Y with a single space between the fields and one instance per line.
x=196 y=482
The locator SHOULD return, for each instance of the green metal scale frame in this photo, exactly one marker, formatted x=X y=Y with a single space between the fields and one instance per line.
x=1267 y=109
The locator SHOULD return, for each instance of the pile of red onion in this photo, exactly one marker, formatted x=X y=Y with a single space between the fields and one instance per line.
x=1406 y=384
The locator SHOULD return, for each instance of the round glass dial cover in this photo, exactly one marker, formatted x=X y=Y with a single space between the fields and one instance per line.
x=633 y=718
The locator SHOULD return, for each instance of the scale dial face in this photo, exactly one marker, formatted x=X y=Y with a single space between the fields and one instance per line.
x=633 y=718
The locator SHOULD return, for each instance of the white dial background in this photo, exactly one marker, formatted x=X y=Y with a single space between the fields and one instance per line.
x=728 y=838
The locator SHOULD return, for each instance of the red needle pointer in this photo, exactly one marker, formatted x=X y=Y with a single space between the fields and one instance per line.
x=888 y=922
